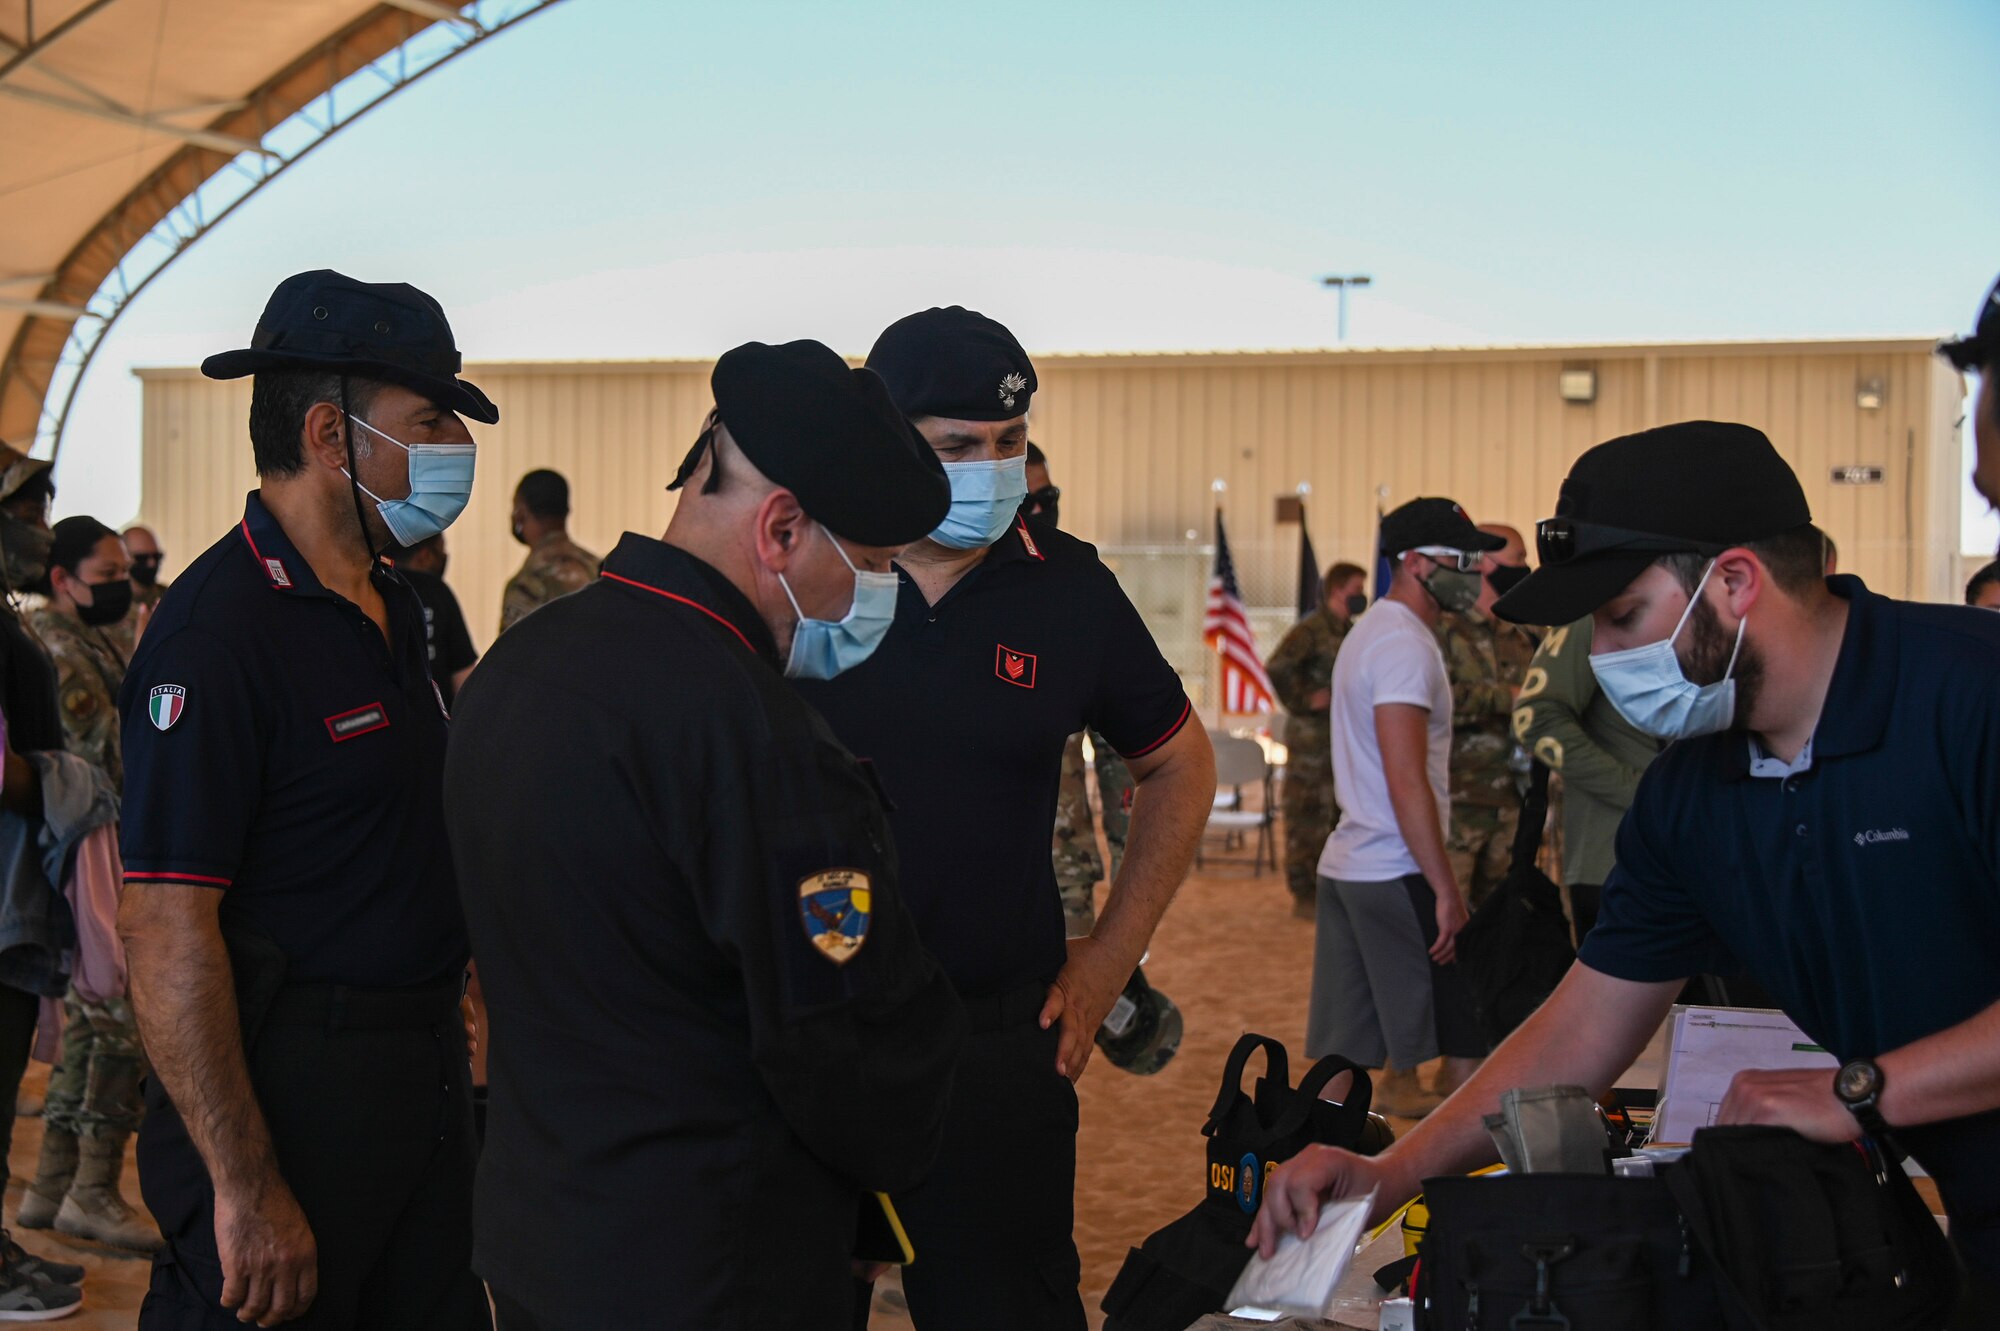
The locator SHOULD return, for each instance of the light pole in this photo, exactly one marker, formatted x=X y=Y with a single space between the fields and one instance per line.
x=1342 y=284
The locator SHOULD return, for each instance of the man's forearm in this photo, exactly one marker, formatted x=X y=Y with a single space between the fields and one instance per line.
x=1170 y=807
x=184 y=998
x=1953 y=1074
x=1417 y=819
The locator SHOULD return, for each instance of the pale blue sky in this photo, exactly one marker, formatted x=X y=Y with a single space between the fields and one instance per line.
x=638 y=178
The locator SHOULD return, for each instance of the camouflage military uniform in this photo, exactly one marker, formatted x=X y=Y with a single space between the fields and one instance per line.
x=1301 y=667
x=94 y=1090
x=556 y=566
x=1486 y=660
x=124 y=635
x=1079 y=867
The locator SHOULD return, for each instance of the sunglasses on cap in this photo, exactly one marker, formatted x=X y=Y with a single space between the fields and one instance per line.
x=1465 y=561
x=1560 y=541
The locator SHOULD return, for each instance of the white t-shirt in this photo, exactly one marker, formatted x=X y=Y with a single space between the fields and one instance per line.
x=1390 y=656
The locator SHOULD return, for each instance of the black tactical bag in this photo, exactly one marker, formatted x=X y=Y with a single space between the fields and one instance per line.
x=1757 y=1229
x=1186 y=1270
x=1516 y=948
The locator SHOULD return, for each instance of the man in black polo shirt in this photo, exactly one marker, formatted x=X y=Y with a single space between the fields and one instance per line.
x=715 y=1028
x=1008 y=639
x=1829 y=818
x=290 y=917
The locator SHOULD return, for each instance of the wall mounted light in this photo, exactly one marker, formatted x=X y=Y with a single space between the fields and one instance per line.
x=1868 y=394
x=1577 y=385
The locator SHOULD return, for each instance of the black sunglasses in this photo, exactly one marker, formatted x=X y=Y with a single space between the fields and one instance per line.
x=1561 y=541
x=1048 y=494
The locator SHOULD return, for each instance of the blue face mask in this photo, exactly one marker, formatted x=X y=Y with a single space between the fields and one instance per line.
x=1649 y=689
x=984 y=499
x=440 y=485
x=822 y=648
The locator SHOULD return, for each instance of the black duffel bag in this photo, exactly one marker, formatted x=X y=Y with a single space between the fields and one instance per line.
x=1813 y=1236
x=1185 y=1270
x=1543 y=1252
x=1516 y=947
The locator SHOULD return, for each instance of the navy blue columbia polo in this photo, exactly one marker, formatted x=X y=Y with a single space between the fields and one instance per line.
x=279 y=751
x=1864 y=891
x=964 y=710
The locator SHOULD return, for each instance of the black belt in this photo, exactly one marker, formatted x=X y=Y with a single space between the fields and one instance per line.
x=1010 y=1007
x=340 y=1007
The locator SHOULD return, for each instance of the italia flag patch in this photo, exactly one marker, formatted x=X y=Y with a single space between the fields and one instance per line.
x=165 y=705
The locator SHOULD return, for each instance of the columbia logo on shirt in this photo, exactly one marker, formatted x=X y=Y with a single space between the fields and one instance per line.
x=1876 y=835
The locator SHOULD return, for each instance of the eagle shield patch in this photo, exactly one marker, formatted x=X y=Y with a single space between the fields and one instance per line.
x=834 y=906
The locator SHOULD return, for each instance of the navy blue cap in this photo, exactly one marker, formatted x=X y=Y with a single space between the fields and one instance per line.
x=956 y=363
x=1981 y=347
x=325 y=320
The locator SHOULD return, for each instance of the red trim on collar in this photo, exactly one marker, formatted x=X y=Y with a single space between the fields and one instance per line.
x=1021 y=525
x=274 y=569
x=697 y=605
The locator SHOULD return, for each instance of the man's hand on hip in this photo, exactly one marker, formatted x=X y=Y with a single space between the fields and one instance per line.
x=1081 y=999
x=270 y=1260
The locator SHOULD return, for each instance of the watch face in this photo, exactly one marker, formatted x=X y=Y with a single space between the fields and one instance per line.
x=1856 y=1081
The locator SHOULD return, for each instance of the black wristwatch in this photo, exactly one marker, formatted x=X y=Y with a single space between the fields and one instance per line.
x=1859 y=1086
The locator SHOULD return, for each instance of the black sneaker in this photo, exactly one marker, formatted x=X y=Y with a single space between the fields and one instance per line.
x=13 y=1257
x=26 y=1299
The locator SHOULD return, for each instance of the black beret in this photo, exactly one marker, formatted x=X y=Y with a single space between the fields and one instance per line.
x=325 y=320
x=831 y=435
x=955 y=363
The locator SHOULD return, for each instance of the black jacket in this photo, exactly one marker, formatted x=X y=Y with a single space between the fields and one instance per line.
x=689 y=1093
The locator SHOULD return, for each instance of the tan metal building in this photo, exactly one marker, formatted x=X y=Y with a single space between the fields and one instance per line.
x=1137 y=443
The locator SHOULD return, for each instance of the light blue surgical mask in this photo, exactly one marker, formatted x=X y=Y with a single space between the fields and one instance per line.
x=984 y=499
x=1647 y=686
x=823 y=648
x=440 y=485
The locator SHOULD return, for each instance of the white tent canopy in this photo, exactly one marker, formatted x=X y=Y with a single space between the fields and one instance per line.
x=131 y=126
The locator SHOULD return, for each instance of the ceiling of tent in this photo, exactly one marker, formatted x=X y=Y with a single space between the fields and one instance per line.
x=113 y=113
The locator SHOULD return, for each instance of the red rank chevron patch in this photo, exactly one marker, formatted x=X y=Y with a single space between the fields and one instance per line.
x=1017 y=668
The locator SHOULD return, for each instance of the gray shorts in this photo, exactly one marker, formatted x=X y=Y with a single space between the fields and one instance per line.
x=1376 y=995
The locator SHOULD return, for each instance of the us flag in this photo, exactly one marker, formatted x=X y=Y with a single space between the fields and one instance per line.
x=1245 y=686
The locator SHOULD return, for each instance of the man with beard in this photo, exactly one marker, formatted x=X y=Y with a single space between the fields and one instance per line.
x=1829 y=816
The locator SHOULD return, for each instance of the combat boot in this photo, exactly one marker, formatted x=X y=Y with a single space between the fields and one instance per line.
x=50 y=1185
x=1399 y=1094
x=95 y=1209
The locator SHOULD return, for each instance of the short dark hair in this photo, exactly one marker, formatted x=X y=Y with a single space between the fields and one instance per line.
x=1344 y=572
x=1980 y=580
x=1796 y=558
x=545 y=493
x=1036 y=458
x=279 y=401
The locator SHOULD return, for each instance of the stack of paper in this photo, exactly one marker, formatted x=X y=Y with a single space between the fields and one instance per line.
x=1708 y=1046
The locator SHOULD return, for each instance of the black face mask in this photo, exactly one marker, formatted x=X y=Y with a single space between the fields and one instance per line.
x=1042 y=504
x=108 y=603
x=1506 y=577
x=1356 y=604
x=146 y=570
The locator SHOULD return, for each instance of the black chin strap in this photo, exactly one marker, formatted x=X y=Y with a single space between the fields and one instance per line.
x=354 y=474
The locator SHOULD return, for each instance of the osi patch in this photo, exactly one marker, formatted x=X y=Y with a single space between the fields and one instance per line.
x=833 y=907
x=165 y=705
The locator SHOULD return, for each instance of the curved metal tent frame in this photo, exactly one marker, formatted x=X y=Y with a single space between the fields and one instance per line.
x=201 y=159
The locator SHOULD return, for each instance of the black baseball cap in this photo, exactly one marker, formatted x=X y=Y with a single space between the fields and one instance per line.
x=1698 y=487
x=1438 y=522
x=956 y=363
x=829 y=433
x=325 y=320
x=1981 y=347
